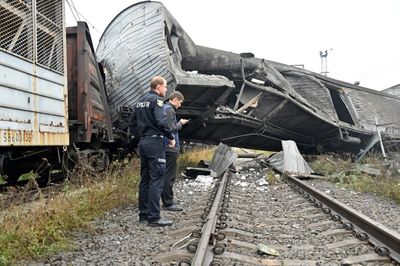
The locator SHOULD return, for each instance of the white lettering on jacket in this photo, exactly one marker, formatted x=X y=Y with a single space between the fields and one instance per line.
x=143 y=104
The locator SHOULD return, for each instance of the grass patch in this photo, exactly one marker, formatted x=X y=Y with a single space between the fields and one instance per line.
x=264 y=153
x=28 y=176
x=250 y=151
x=44 y=227
x=383 y=186
x=345 y=173
x=272 y=178
x=192 y=158
x=330 y=164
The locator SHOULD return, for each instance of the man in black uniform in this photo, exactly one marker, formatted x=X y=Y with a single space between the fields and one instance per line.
x=175 y=101
x=150 y=124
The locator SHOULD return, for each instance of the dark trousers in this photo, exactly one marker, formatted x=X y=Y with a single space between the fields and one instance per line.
x=167 y=195
x=152 y=171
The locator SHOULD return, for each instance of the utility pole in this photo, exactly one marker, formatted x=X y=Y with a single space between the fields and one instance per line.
x=324 y=62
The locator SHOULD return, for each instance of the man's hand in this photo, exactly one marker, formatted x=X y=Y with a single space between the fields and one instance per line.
x=171 y=143
x=184 y=121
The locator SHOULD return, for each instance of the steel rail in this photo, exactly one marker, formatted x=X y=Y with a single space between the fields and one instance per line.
x=378 y=235
x=204 y=253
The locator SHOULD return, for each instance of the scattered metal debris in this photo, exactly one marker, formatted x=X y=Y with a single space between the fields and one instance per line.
x=193 y=172
x=223 y=157
x=369 y=169
x=264 y=249
x=290 y=160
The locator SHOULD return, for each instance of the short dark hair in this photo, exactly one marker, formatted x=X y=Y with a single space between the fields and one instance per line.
x=157 y=80
x=176 y=94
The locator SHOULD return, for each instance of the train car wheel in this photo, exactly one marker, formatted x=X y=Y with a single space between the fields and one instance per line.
x=69 y=160
x=10 y=174
x=12 y=177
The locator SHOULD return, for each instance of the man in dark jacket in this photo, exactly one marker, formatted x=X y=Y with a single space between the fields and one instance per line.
x=149 y=123
x=175 y=101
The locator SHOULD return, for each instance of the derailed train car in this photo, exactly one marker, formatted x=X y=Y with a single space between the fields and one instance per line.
x=236 y=98
x=53 y=106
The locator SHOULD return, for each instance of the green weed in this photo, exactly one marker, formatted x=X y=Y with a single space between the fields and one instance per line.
x=46 y=226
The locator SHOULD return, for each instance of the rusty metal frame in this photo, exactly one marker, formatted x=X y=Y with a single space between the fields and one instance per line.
x=249 y=103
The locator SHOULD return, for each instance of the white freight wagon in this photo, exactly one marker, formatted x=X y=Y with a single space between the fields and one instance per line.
x=33 y=80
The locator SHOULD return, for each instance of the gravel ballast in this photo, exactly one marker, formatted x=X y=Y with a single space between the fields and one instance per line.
x=121 y=240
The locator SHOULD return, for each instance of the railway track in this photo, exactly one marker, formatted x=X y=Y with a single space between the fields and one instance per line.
x=27 y=190
x=242 y=223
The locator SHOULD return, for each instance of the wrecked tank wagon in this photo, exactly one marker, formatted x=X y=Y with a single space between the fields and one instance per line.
x=238 y=99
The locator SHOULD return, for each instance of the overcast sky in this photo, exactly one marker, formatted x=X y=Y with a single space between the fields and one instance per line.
x=362 y=37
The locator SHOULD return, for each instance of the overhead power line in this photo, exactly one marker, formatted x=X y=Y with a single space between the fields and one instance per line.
x=72 y=11
x=382 y=70
x=76 y=11
x=79 y=15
